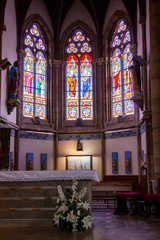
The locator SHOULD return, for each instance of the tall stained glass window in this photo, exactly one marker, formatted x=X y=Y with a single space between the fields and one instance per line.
x=79 y=77
x=121 y=60
x=34 y=74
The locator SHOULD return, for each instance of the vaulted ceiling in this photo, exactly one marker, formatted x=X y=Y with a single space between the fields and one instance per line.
x=58 y=10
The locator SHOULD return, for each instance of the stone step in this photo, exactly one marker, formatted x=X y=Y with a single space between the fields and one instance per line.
x=28 y=191
x=27 y=213
x=33 y=202
x=66 y=183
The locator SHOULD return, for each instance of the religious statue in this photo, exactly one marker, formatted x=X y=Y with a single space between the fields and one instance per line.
x=13 y=88
x=72 y=83
x=127 y=164
x=138 y=62
x=86 y=84
x=12 y=165
x=44 y=165
x=79 y=145
x=30 y=165
x=114 y=164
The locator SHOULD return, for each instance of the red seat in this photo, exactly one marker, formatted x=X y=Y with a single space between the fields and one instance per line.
x=152 y=198
x=127 y=194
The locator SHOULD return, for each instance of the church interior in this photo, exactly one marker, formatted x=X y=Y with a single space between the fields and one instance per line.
x=79 y=91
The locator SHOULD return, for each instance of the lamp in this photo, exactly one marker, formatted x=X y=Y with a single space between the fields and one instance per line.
x=4 y=64
x=79 y=146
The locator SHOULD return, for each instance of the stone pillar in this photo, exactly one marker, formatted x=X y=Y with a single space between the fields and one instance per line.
x=155 y=80
x=99 y=95
x=57 y=106
x=98 y=75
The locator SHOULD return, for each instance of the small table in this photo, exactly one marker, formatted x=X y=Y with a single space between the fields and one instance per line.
x=122 y=202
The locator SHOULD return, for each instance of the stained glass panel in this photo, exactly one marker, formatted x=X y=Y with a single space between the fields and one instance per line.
x=79 y=97
x=121 y=26
x=116 y=83
x=116 y=41
x=34 y=83
x=128 y=84
x=121 y=60
x=72 y=105
x=28 y=40
x=40 y=101
x=78 y=37
x=86 y=48
x=72 y=48
x=41 y=45
x=34 y=30
x=28 y=83
x=127 y=37
x=86 y=88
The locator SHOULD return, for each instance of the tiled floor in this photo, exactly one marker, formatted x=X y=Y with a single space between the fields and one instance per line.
x=107 y=226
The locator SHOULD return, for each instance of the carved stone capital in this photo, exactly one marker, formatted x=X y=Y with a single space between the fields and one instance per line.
x=138 y=99
x=21 y=53
x=99 y=61
x=50 y=63
x=2 y=27
x=57 y=62
x=147 y=115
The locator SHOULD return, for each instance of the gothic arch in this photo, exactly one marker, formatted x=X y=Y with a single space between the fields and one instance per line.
x=84 y=27
x=47 y=36
x=127 y=121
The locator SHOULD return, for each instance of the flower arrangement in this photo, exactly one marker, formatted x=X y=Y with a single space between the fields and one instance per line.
x=72 y=212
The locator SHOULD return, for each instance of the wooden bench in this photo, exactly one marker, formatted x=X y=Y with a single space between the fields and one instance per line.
x=106 y=192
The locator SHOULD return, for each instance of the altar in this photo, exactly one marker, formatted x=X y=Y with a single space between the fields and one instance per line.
x=33 y=194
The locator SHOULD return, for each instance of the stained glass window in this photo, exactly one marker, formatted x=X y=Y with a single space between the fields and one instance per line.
x=79 y=79
x=34 y=74
x=121 y=60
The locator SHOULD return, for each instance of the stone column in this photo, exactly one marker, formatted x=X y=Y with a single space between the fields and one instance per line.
x=57 y=106
x=155 y=80
x=98 y=76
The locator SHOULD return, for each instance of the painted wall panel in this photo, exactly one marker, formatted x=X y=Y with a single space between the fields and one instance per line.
x=90 y=147
x=36 y=147
x=121 y=145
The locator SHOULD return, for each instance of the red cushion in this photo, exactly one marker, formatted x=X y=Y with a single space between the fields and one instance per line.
x=153 y=198
x=127 y=194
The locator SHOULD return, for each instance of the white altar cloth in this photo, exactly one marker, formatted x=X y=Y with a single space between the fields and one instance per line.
x=23 y=176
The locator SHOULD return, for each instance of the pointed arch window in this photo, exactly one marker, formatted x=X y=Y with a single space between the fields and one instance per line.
x=79 y=77
x=121 y=60
x=34 y=74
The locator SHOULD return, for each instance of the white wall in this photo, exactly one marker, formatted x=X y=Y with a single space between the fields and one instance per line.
x=90 y=147
x=39 y=7
x=36 y=147
x=121 y=145
x=77 y=12
x=9 y=46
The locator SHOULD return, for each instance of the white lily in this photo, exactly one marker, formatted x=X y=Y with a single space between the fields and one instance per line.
x=87 y=221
